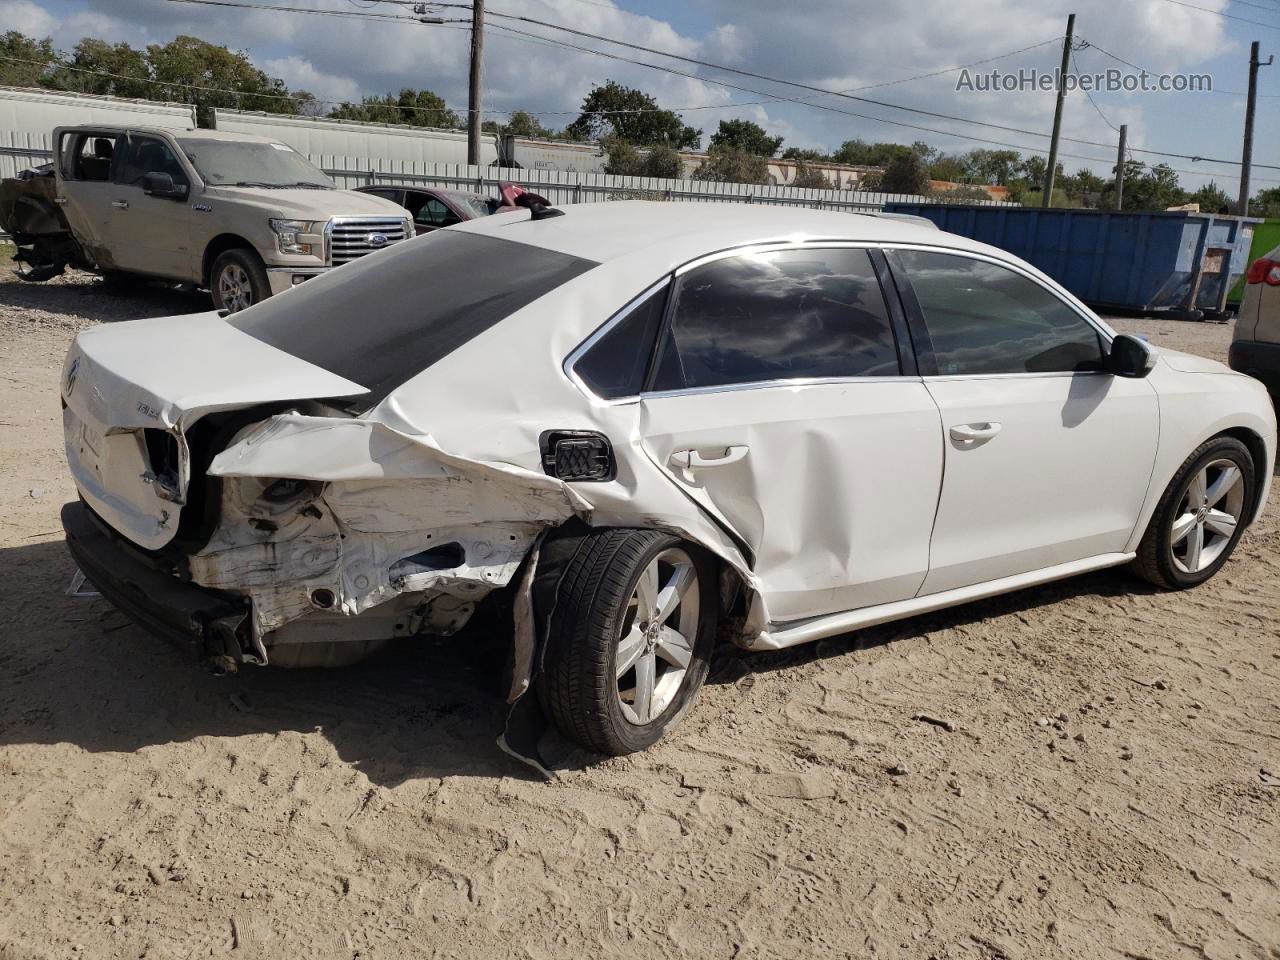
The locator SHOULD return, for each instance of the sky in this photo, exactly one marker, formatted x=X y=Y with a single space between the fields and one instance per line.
x=871 y=49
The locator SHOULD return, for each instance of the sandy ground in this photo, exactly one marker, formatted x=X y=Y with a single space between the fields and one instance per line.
x=1108 y=787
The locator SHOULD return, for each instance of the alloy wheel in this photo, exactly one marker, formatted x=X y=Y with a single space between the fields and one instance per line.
x=234 y=287
x=1207 y=518
x=656 y=643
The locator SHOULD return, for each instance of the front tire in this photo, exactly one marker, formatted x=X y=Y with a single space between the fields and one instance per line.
x=1200 y=518
x=630 y=639
x=238 y=280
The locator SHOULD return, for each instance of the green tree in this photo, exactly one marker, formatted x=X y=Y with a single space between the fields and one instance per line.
x=627 y=160
x=993 y=167
x=91 y=62
x=729 y=165
x=808 y=175
x=812 y=156
x=632 y=115
x=1211 y=198
x=523 y=124
x=416 y=108
x=905 y=173
x=745 y=136
x=190 y=70
x=1266 y=203
x=37 y=54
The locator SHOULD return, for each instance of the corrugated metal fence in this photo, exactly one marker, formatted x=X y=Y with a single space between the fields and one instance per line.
x=568 y=187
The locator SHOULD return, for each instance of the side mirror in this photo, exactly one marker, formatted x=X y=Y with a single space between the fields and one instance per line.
x=1130 y=357
x=161 y=185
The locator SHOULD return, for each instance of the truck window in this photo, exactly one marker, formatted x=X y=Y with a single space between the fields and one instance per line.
x=143 y=155
x=88 y=156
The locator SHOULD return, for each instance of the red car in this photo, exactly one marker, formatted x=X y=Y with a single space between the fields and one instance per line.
x=433 y=208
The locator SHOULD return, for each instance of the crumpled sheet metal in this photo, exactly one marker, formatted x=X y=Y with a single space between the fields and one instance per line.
x=386 y=495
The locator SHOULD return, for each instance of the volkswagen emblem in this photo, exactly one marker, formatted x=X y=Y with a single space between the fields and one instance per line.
x=71 y=375
x=376 y=239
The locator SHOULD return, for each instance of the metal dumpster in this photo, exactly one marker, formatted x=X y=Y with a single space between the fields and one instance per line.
x=1175 y=262
x=1265 y=239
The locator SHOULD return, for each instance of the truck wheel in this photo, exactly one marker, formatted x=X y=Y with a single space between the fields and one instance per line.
x=630 y=639
x=1200 y=517
x=238 y=280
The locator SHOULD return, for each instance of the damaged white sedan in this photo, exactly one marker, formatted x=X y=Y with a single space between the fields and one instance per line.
x=644 y=425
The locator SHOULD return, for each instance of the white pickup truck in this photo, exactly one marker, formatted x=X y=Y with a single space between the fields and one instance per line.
x=243 y=216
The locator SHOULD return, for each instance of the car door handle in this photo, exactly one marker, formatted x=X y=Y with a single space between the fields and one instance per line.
x=59 y=200
x=968 y=432
x=120 y=204
x=693 y=460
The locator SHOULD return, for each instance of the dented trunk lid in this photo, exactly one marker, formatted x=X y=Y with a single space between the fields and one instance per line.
x=131 y=391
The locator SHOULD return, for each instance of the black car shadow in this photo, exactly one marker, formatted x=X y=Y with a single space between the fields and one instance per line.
x=80 y=672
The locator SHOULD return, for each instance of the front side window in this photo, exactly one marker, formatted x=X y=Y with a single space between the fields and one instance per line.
x=148 y=155
x=778 y=315
x=984 y=318
x=433 y=213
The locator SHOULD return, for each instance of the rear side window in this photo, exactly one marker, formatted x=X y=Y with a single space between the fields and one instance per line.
x=778 y=315
x=614 y=366
x=88 y=156
x=984 y=318
x=390 y=315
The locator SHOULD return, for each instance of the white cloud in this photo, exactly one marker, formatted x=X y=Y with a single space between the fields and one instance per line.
x=826 y=43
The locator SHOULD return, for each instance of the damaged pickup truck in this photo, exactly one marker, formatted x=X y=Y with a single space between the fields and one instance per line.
x=640 y=423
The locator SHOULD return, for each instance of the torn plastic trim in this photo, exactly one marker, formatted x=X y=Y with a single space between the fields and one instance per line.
x=373 y=498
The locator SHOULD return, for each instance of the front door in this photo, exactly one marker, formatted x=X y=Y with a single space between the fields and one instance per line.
x=1048 y=458
x=778 y=404
x=152 y=234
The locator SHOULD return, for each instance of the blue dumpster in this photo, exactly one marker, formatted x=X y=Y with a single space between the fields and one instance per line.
x=1180 y=262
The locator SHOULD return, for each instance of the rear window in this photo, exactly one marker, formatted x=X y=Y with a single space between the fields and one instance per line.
x=387 y=317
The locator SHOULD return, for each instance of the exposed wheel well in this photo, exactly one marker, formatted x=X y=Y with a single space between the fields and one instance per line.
x=217 y=247
x=1258 y=450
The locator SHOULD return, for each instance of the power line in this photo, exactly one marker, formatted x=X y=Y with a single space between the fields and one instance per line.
x=1225 y=16
x=1089 y=45
x=1092 y=101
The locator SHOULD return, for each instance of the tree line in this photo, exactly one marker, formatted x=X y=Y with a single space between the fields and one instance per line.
x=639 y=136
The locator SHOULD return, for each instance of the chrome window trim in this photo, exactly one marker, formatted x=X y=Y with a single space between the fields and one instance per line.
x=795 y=384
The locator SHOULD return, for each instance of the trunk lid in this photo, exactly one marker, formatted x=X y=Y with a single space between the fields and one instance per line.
x=131 y=391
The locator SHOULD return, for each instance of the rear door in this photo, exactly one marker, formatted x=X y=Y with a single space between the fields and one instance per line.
x=1048 y=457
x=779 y=403
x=151 y=234
x=86 y=161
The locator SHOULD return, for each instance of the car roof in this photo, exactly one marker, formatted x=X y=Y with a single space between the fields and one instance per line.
x=611 y=230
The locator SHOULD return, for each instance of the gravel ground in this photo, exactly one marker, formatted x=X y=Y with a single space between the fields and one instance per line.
x=1109 y=785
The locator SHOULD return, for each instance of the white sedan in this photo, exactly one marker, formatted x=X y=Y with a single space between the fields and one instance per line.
x=637 y=422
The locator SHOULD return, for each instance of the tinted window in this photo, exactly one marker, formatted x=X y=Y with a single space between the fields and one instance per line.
x=780 y=315
x=615 y=365
x=984 y=318
x=146 y=155
x=369 y=321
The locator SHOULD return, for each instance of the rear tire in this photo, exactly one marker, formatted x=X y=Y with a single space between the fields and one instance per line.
x=238 y=280
x=630 y=639
x=1200 y=518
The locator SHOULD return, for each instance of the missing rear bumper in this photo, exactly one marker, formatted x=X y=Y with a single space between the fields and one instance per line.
x=211 y=624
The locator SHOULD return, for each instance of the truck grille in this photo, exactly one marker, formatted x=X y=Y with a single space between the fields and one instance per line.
x=352 y=237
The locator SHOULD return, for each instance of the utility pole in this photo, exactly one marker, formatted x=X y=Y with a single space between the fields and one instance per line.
x=1254 y=63
x=1052 y=173
x=1124 y=137
x=473 y=102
